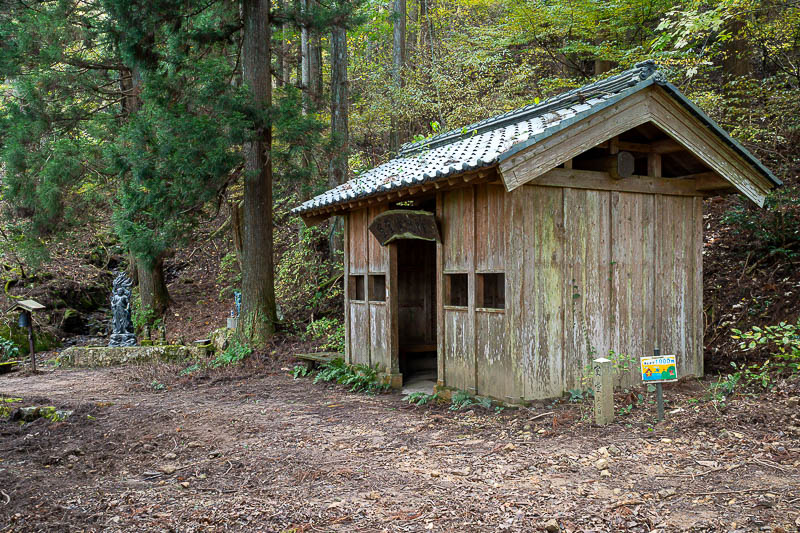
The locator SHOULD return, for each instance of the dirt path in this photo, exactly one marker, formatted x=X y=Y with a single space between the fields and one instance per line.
x=269 y=453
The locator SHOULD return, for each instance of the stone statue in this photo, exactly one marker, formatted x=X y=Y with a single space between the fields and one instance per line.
x=122 y=333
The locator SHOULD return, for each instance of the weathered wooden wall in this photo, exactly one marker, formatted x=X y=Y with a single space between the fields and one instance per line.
x=369 y=323
x=587 y=271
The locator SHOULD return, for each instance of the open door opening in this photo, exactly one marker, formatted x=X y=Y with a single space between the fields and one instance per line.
x=416 y=288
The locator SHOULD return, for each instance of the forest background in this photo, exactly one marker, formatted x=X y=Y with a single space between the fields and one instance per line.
x=151 y=136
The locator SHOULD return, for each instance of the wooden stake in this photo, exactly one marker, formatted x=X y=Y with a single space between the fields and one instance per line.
x=31 y=343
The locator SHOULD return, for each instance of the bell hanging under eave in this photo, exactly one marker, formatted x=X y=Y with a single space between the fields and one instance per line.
x=24 y=320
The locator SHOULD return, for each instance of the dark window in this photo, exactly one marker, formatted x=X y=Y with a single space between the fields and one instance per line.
x=455 y=289
x=377 y=288
x=490 y=291
x=356 y=287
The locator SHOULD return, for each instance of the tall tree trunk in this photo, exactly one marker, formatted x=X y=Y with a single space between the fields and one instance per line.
x=152 y=287
x=315 y=67
x=398 y=60
x=149 y=274
x=337 y=173
x=305 y=55
x=339 y=114
x=736 y=59
x=257 y=320
x=286 y=70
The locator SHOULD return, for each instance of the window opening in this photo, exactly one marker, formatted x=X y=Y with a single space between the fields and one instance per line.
x=356 y=287
x=377 y=288
x=456 y=291
x=490 y=290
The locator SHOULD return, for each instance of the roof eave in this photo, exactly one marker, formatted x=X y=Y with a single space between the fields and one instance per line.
x=675 y=93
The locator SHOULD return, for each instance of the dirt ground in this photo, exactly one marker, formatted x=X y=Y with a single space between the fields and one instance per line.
x=260 y=451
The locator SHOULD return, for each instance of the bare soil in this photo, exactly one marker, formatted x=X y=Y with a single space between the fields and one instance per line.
x=252 y=449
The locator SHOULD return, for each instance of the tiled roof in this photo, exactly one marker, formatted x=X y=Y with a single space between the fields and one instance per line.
x=484 y=143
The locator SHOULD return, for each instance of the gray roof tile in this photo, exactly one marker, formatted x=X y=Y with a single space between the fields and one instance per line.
x=484 y=143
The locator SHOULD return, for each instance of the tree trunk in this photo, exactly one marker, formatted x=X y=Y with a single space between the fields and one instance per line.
x=133 y=269
x=337 y=173
x=339 y=116
x=152 y=288
x=286 y=69
x=398 y=60
x=736 y=58
x=149 y=275
x=305 y=55
x=315 y=67
x=257 y=319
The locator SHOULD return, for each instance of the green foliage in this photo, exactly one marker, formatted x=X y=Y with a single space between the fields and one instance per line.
x=307 y=282
x=462 y=399
x=236 y=352
x=329 y=329
x=580 y=395
x=774 y=230
x=191 y=369
x=301 y=371
x=621 y=364
x=157 y=385
x=230 y=276
x=421 y=398
x=360 y=377
x=8 y=349
x=782 y=342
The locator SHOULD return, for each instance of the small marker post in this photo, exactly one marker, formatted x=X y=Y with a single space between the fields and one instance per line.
x=603 y=383
x=659 y=392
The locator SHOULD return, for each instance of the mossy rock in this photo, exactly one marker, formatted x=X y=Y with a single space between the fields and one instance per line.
x=100 y=356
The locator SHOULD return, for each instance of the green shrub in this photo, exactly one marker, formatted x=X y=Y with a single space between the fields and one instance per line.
x=774 y=230
x=8 y=349
x=360 y=377
x=782 y=342
x=329 y=329
x=235 y=353
x=462 y=399
x=420 y=398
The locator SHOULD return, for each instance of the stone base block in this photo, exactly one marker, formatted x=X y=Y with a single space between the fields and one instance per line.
x=395 y=381
x=97 y=356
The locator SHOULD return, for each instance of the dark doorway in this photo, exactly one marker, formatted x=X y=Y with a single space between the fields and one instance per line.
x=416 y=272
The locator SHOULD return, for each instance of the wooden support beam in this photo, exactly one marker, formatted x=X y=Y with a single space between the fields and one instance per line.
x=666 y=146
x=613 y=145
x=618 y=166
x=601 y=181
x=568 y=163
x=710 y=181
x=661 y=146
x=654 y=165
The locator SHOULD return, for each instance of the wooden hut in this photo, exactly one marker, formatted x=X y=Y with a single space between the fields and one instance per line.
x=505 y=255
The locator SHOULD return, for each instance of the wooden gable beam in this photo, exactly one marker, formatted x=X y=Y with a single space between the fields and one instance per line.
x=534 y=161
x=686 y=131
x=691 y=133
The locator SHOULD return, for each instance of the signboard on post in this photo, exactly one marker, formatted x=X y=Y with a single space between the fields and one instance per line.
x=659 y=369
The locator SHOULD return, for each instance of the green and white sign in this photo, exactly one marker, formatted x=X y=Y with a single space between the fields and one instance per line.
x=659 y=369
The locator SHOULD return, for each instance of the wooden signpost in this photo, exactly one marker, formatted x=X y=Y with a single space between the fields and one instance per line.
x=27 y=307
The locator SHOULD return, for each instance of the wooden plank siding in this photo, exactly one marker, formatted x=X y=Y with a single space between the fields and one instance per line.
x=542 y=290
x=458 y=246
x=370 y=337
x=587 y=271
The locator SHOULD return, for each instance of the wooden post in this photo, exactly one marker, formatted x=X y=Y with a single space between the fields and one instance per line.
x=602 y=373
x=31 y=343
x=659 y=392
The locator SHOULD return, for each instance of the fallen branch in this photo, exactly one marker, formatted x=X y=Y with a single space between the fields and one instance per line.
x=6 y=496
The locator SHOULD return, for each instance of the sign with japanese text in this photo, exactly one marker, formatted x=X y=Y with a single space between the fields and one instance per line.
x=658 y=369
